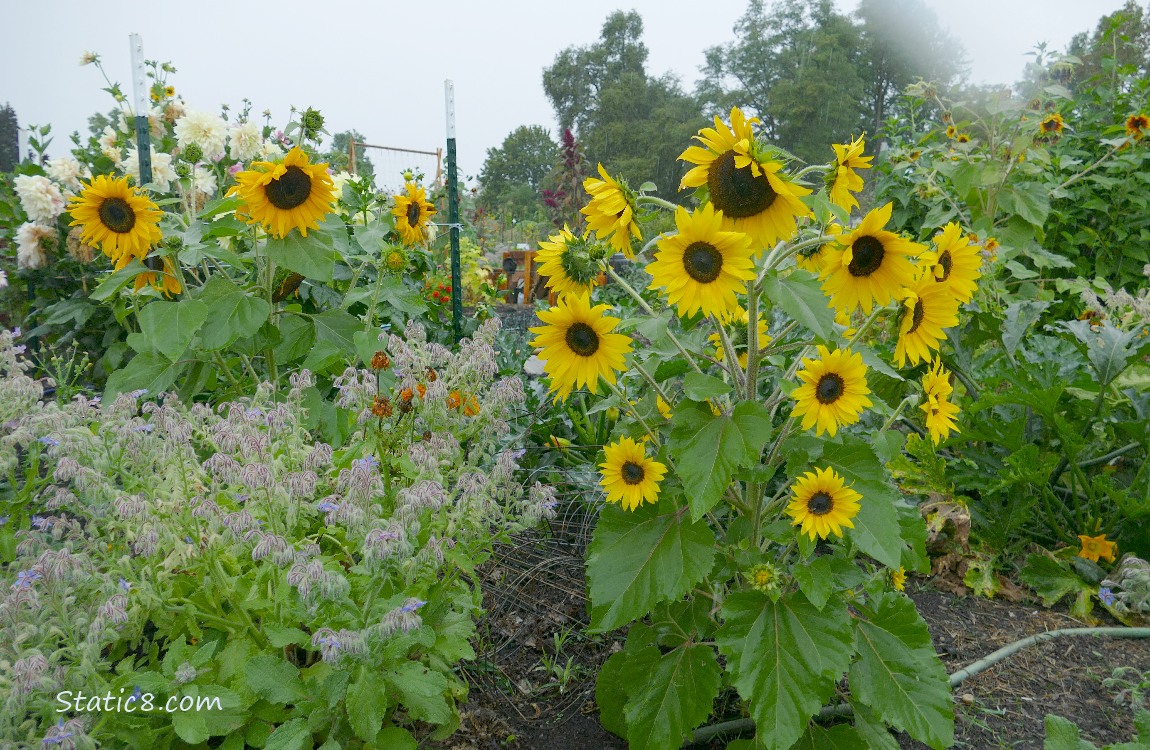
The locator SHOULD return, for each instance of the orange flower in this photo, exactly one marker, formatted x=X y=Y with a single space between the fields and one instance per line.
x=1095 y=547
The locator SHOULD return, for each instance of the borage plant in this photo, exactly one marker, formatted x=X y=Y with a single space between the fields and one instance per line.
x=294 y=596
x=753 y=539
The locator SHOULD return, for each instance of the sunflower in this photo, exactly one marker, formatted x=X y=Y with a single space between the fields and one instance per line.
x=1137 y=126
x=565 y=261
x=929 y=307
x=954 y=262
x=116 y=218
x=412 y=213
x=285 y=194
x=898 y=578
x=844 y=181
x=578 y=346
x=169 y=91
x=763 y=577
x=963 y=138
x=1052 y=125
x=951 y=131
x=1095 y=547
x=746 y=186
x=663 y=407
x=740 y=321
x=869 y=265
x=166 y=281
x=834 y=390
x=629 y=477
x=702 y=267
x=940 y=412
x=822 y=504
x=611 y=212
x=814 y=258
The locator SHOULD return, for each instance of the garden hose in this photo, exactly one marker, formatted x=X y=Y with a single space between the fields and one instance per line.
x=844 y=709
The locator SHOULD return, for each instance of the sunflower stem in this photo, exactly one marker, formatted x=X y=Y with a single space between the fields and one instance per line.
x=651 y=381
x=754 y=355
x=732 y=357
x=660 y=202
x=634 y=413
x=866 y=325
x=782 y=251
x=647 y=309
x=824 y=168
x=898 y=411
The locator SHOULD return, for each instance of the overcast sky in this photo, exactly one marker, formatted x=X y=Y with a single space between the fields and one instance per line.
x=379 y=66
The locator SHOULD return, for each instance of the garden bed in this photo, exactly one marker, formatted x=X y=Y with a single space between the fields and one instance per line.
x=535 y=589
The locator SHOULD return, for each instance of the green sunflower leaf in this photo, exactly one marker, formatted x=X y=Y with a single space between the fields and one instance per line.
x=838 y=737
x=784 y=658
x=801 y=296
x=235 y=313
x=876 y=527
x=170 y=326
x=149 y=371
x=709 y=449
x=640 y=558
x=899 y=674
x=313 y=256
x=670 y=694
x=700 y=387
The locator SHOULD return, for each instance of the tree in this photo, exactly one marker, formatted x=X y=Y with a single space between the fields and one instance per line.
x=338 y=156
x=632 y=123
x=513 y=174
x=902 y=41
x=1123 y=36
x=9 y=139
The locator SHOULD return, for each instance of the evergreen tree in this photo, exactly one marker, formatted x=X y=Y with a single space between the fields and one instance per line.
x=9 y=139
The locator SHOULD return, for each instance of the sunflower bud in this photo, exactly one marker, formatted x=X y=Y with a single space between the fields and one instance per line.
x=173 y=242
x=312 y=123
x=763 y=577
x=193 y=153
x=183 y=170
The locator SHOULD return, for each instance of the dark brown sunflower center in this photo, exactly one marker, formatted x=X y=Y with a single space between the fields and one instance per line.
x=916 y=317
x=820 y=504
x=703 y=262
x=830 y=388
x=632 y=473
x=117 y=215
x=413 y=213
x=947 y=264
x=868 y=253
x=290 y=190
x=738 y=193
x=582 y=339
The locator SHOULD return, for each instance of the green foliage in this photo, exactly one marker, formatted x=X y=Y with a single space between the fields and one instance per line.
x=513 y=174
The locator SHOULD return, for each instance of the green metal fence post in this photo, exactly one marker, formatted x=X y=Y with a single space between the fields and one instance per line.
x=453 y=215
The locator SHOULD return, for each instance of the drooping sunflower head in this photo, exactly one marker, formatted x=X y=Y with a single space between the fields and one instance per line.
x=292 y=193
x=745 y=182
x=629 y=476
x=121 y=221
x=1096 y=547
x=936 y=381
x=1051 y=125
x=578 y=345
x=702 y=267
x=166 y=281
x=834 y=390
x=814 y=258
x=928 y=309
x=951 y=131
x=941 y=417
x=870 y=265
x=1137 y=126
x=821 y=504
x=612 y=211
x=963 y=138
x=567 y=262
x=954 y=262
x=843 y=181
x=412 y=213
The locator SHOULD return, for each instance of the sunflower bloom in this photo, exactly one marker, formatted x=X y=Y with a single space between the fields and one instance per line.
x=870 y=265
x=166 y=281
x=564 y=259
x=748 y=188
x=663 y=407
x=578 y=345
x=702 y=267
x=898 y=579
x=611 y=212
x=929 y=308
x=1097 y=547
x=954 y=262
x=116 y=218
x=629 y=476
x=940 y=412
x=1137 y=126
x=845 y=181
x=834 y=391
x=412 y=214
x=822 y=504
x=1051 y=125
x=285 y=194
